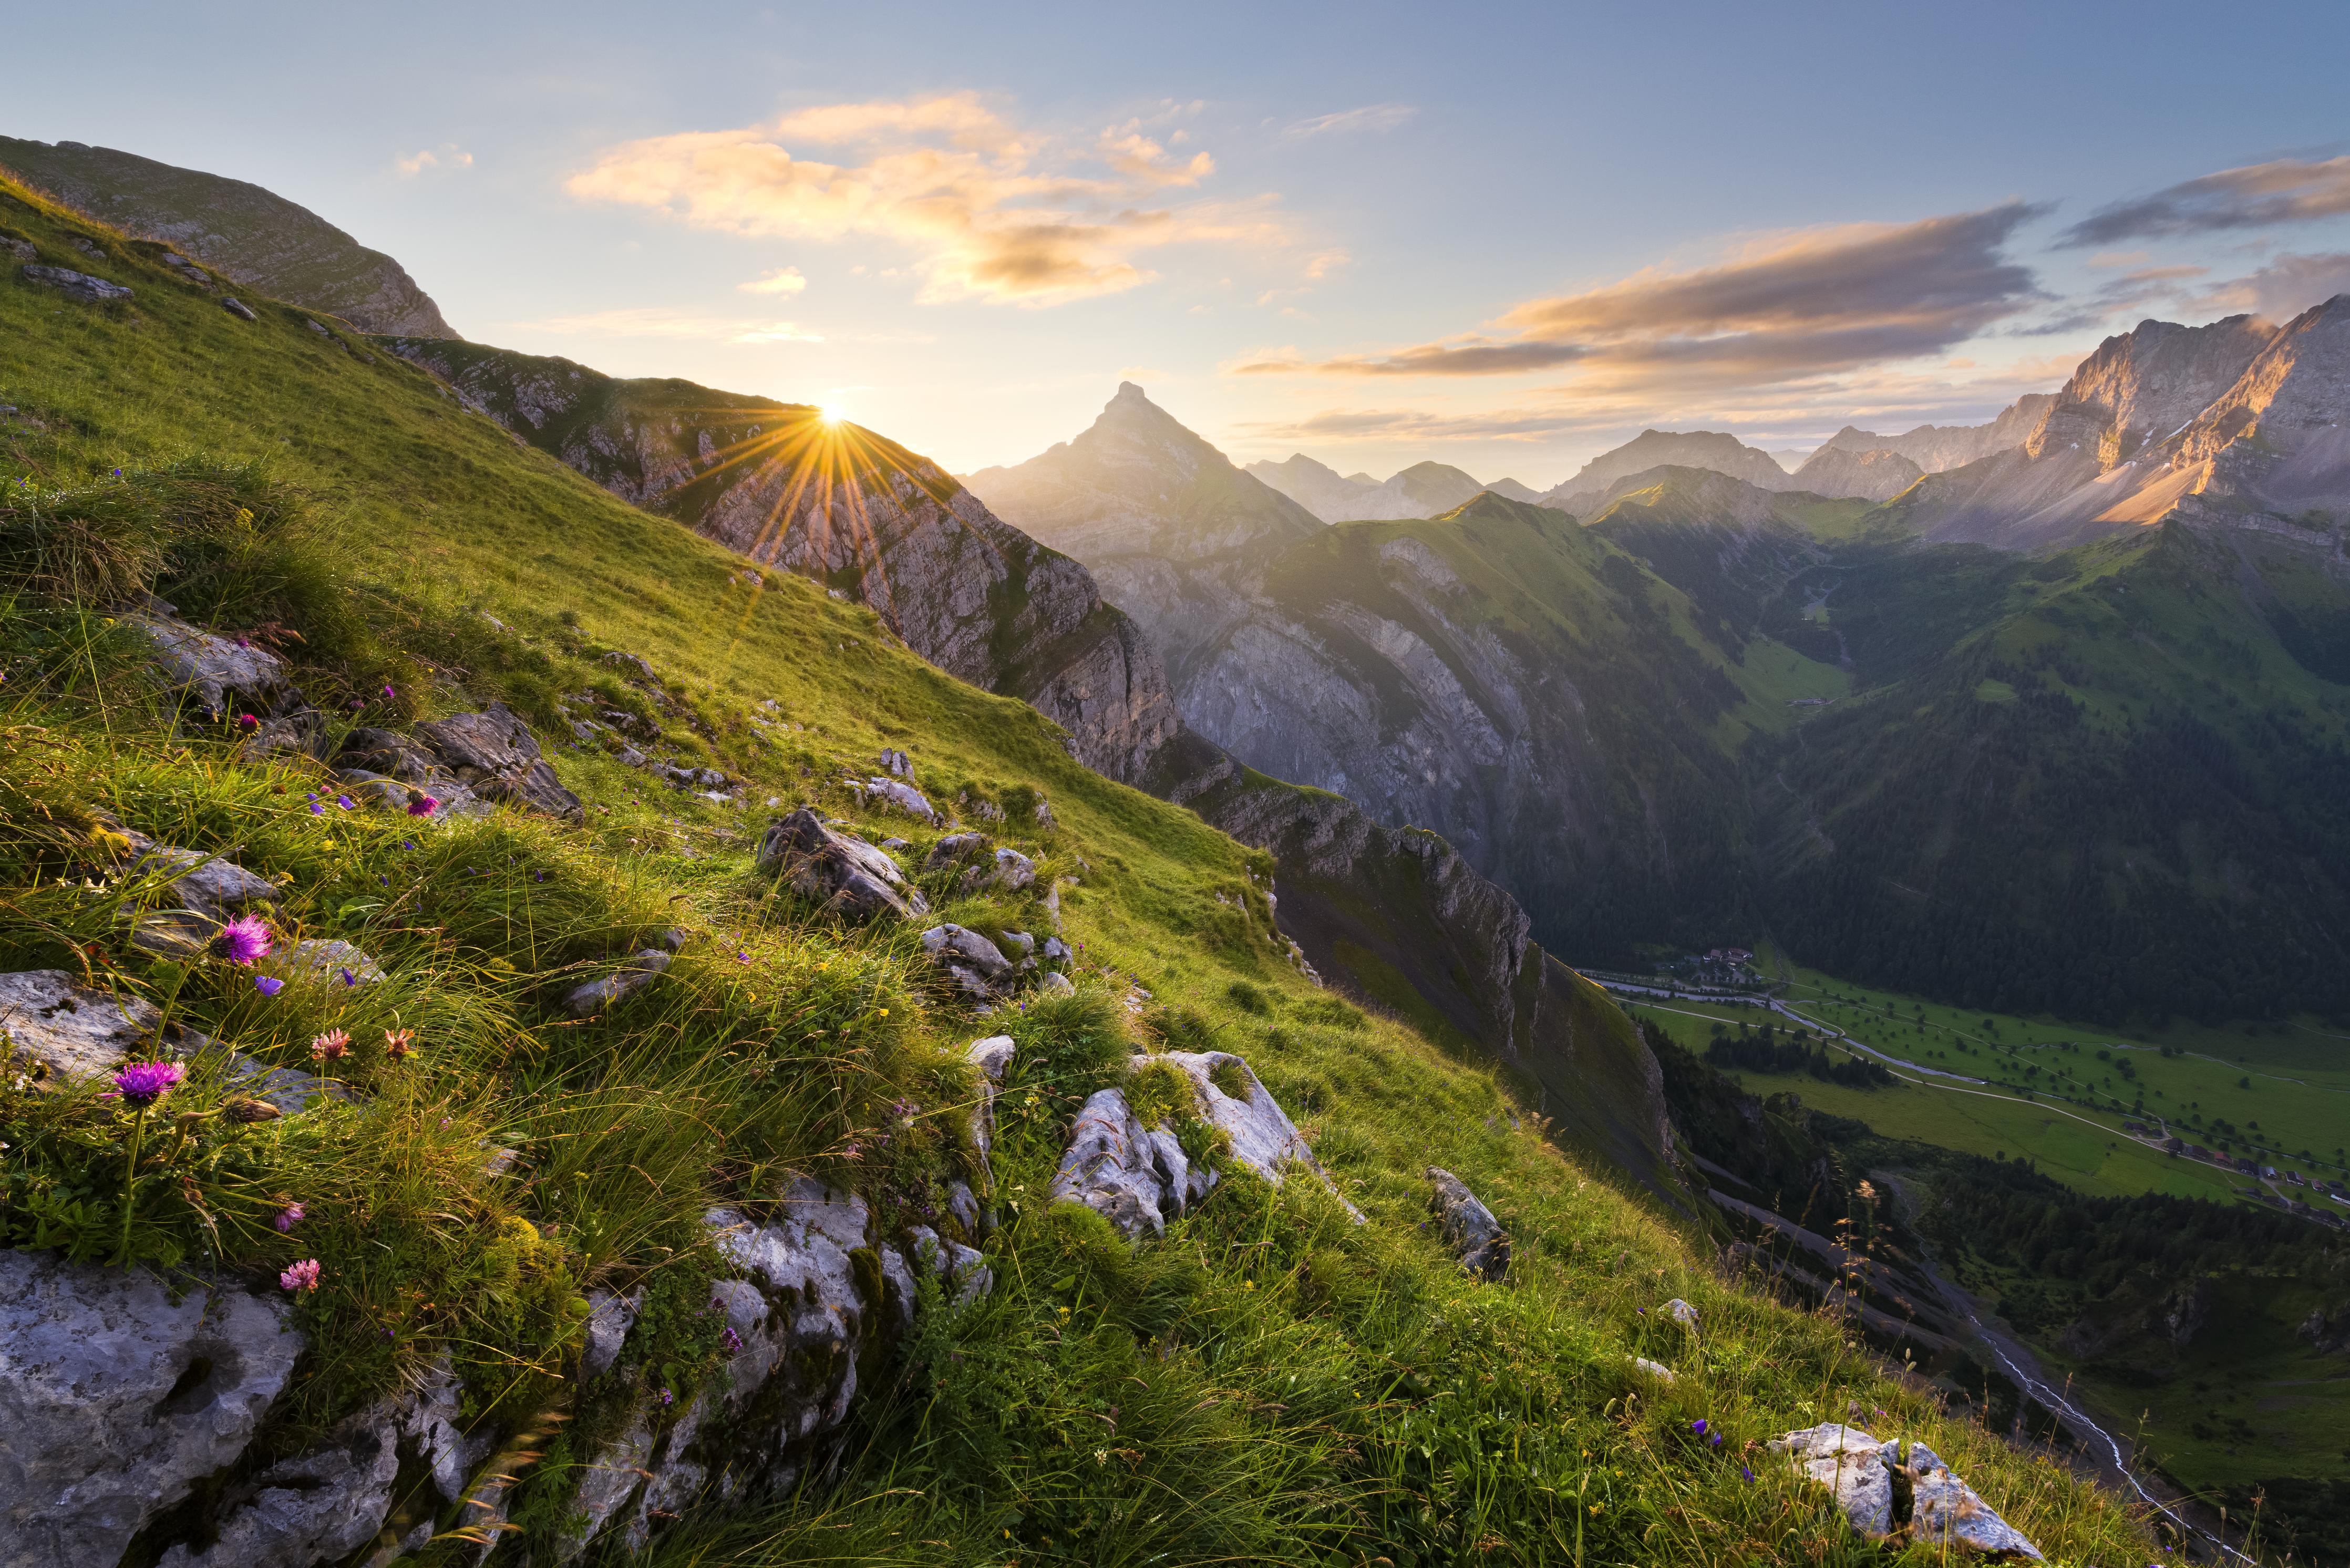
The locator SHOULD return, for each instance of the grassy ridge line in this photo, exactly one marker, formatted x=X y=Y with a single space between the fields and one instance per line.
x=1304 y=1388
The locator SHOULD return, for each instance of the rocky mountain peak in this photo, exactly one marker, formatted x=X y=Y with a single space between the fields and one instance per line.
x=2146 y=385
x=1715 y=449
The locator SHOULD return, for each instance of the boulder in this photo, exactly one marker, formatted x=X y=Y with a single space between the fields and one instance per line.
x=57 y=1032
x=118 y=1398
x=20 y=250
x=212 y=670
x=904 y=797
x=207 y=884
x=1058 y=952
x=1655 y=1369
x=239 y=309
x=74 y=284
x=609 y=1318
x=1056 y=984
x=1136 y=1177
x=970 y=959
x=963 y=1270
x=953 y=849
x=992 y=1057
x=629 y=978
x=387 y=754
x=1945 y=1512
x=1475 y=1236
x=1856 y=1468
x=1263 y=1136
x=324 y=961
x=1011 y=871
x=838 y=869
x=494 y=753
x=1681 y=1313
x=896 y=765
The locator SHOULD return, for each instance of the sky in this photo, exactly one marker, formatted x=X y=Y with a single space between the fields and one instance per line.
x=1502 y=237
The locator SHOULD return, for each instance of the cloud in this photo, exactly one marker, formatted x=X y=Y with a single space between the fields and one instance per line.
x=653 y=322
x=448 y=156
x=2283 y=191
x=993 y=210
x=2282 y=289
x=1370 y=117
x=1791 y=307
x=784 y=280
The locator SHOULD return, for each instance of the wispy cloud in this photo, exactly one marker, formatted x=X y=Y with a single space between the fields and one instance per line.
x=783 y=280
x=1370 y=117
x=992 y=210
x=653 y=322
x=2282 y=190
x=448 y=155
x=2284 y=288
x=1789 y=307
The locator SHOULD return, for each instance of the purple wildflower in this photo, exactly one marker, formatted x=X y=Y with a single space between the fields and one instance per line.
x=302 y=1276
x=317 y=810
x=407 y=843
x=242 y=643
x=1698 y=1426
x=1747 y=1473
x=423 y=806
x=242 y=940
x=288 y=1216
x=1717 y=1440
x=389 y=693
x=348 y=978
x=268 y=984
x=742 y=958
x=247 y=721
x=142 y=1083
x=347 y=803
x=667 y=1399
x=733 y=1340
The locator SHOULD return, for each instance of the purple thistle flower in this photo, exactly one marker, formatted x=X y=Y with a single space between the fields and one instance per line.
x=242 y=940
x=667 y=1399
x=142 y=1083
x=288 y=1216
x=389 y=693
x=247 y=721
x=268 y=984
x=347 y=803
x=423 y=806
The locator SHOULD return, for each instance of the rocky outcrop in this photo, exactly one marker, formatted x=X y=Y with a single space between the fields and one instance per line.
x=494 y=755
x=1711 y=450
x=1934 y=448
x=838 y=869
x=1919 y=1502
x=212 y=671
x=631 y=977
x=56 y=1034
x=864 y=516
x=118 y=1398
x=1876 y=475
x=1470 y=1229
x=240 y=231
x=2143 y=386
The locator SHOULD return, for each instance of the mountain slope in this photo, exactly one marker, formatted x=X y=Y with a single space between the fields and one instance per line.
x=242 y=231
x=1874 y=475
x=1319 y=488
x=1937 y=447
x=853 y=510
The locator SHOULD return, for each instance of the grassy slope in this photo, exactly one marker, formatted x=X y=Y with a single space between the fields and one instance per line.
x=1332 y=1390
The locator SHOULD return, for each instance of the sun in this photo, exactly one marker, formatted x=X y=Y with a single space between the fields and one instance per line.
x=829 y=416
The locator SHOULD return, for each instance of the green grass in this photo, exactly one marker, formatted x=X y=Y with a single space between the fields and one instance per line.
x=1271 y=1382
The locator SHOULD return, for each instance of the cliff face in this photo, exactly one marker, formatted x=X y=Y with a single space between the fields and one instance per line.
x=2145 y=385
x=858 y=513
x=1934 y=448
x=2276 y=439
x=242 y=231
x=1877 y=475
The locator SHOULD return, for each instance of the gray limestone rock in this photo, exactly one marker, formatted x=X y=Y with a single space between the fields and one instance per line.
x=74 y=284
x=1945 y=1512
x=1681 y=1313
x=115 y=1400
x=838 y=869
x=904 y=797
x=1856 y=1468
x=970 y=959
x=59 y=1032
x=324 y=961
x=494 y=753
x=1263 y=1136
x=209 y=670
x=963 y=1268
x=953 y=849
x=609 y=1318
x=992 y=1057
x=19 y=250
x=631 y=977
x=1476 y=1237
x=1116 y=1167
x=208 y=884
x=238 y=308
x=1011 y=871
x=1056 y=984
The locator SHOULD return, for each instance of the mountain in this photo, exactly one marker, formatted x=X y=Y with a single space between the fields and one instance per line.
x=1315 y=487
x=854 y=510
x=1423 y=489
x=1790 y=461
x=2275 y=440
x=240 y=231
x=1510 y=490
x=1658 y=449
x=1135 y=494
x=1877 y=475
x=1937 y=447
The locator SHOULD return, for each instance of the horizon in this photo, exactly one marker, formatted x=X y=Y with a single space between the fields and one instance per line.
x=932 y=232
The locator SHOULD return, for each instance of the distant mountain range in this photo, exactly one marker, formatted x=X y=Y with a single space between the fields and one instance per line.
x=1423 y=490
x=241 y=231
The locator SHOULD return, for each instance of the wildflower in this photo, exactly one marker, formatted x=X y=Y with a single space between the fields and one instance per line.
x=742 y=958
x=398 y=1043
x=312 y=795
x=247 y=721
x=423 y=806
x=407 y=843
x=242 y=643
x=331 y=1047
x=1717 y=1440
x=389 y=693
x=302 y=1276
x=142 y=1083
x=733 y=1340
x=288 y=1216
x=667 y=1399
x=1747 y=1473
x=1698 y=1426
x=347 y=803
x=242 y=940
x=268 y=984
x=349 y=978
x=317 y=810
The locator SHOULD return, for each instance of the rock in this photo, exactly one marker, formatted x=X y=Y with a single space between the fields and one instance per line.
x=1655 y=1369
x=904 y=797
x=74 y=284
x=1855 y=1469
x=1136 y=1179
x=301 y=730
x=211 y=670
x=173 y=933
x=1681 y=1313
x=629 y=978
x=1263 y=1136
x=839 y=871
x=238 y=308
x=208 y=884
x=22 y=250
x=1945 y=1512
x=963 y=1204
x=1021 y=941
x=631 y=661
x=970 y=959
x=1056 y=952
x=370 y=789
x=57 y=1032
x=992 y=1057
x=963 y=1268
x=1476 y=1237
x=898 y=764
x=1013 y=871
x=2184 y=1311
x=953 y=849
x=896 y=846
x=326 y=961
x=385 y=753
x=1056 y=984
x=115 y=1400
x=1045 y=816
x=609 y=1318
x=494 y=753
